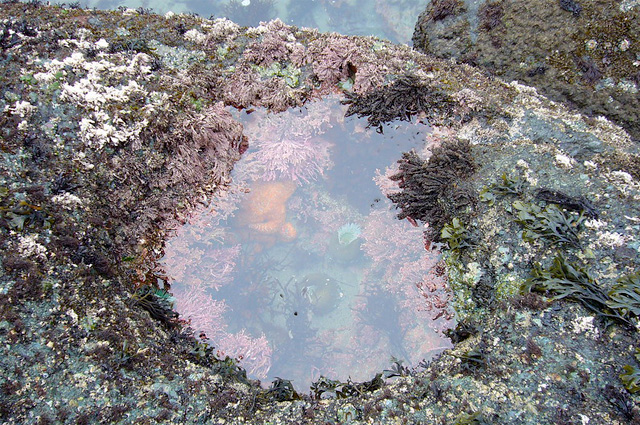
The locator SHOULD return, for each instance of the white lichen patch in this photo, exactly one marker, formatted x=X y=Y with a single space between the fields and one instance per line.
x=622 y=177
x=105 y=89
x=473 y=274
x=624 y=183
x=67 y=200
x=595 y=224
x=28 y=246
x=584 y=325
x=106 y=130
x=564 y=161
x=627 y=86
x=220 y=29
x=22 y=108
x=195 y=36
x=611 y=239
x=627 y=5
x=529 y=175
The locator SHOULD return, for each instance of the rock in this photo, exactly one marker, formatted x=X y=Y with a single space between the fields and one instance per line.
x=117 y=125
x=585 y=54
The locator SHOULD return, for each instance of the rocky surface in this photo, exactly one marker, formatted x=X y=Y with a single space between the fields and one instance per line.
x=584 y=53
x=115 y=125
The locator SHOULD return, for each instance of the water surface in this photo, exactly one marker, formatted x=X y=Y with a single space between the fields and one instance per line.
x=300 y=269
x=389 y=19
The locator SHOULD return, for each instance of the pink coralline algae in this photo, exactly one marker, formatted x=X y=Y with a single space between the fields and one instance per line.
x=206 y=315
x=201 y=311
x=275 y=45
x=408 y=269
x=287 y=146
x=335 y=59
x=254 y=354
x=200 y=263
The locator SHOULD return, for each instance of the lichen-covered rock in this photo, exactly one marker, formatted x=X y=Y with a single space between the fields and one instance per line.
x=584 y=53
x=116 y=125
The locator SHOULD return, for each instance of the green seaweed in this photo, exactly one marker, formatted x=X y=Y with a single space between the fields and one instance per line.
x=625 y=295
x=456 y=235
x=505 y=186
x=631 y=376
x=157 y=302
x=475 y=418
x=229 y=370
x=397 y=369
x=282 y=390
x=473 y=359
x=570 y=281
x=337 y=389
x=551 y=224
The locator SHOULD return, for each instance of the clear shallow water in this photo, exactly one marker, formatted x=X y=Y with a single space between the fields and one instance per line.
x=300 y=268
x=389 y=19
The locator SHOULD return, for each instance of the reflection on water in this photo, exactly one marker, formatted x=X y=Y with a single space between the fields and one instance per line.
x=300 y=268
x=390 y=19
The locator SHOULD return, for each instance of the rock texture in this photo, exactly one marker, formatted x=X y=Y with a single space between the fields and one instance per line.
x=584 y=53
x=116 y=125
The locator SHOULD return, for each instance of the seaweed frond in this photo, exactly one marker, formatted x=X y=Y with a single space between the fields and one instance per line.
x=503 y=187
x=436 y=190
x=402 y=99
x=337 y=389
x=631 y=376
x=157 y=302
x=563 y=280
x=551 y=224
x=625 y=295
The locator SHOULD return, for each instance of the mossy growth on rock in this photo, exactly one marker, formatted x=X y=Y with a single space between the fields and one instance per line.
x=402 y=99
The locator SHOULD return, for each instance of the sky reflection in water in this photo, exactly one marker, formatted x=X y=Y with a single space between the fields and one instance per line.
x=300 y=268
x=389 y=19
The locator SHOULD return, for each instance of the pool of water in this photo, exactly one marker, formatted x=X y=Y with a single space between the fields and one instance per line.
x=300 y=268
x=389 y=19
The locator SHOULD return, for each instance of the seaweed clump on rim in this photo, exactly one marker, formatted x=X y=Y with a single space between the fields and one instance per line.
x=435 y=191
x=158 y=303
x=401 y=99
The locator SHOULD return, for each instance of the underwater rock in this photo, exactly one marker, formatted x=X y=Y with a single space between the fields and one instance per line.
x=321 y=291
x=584 y=54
